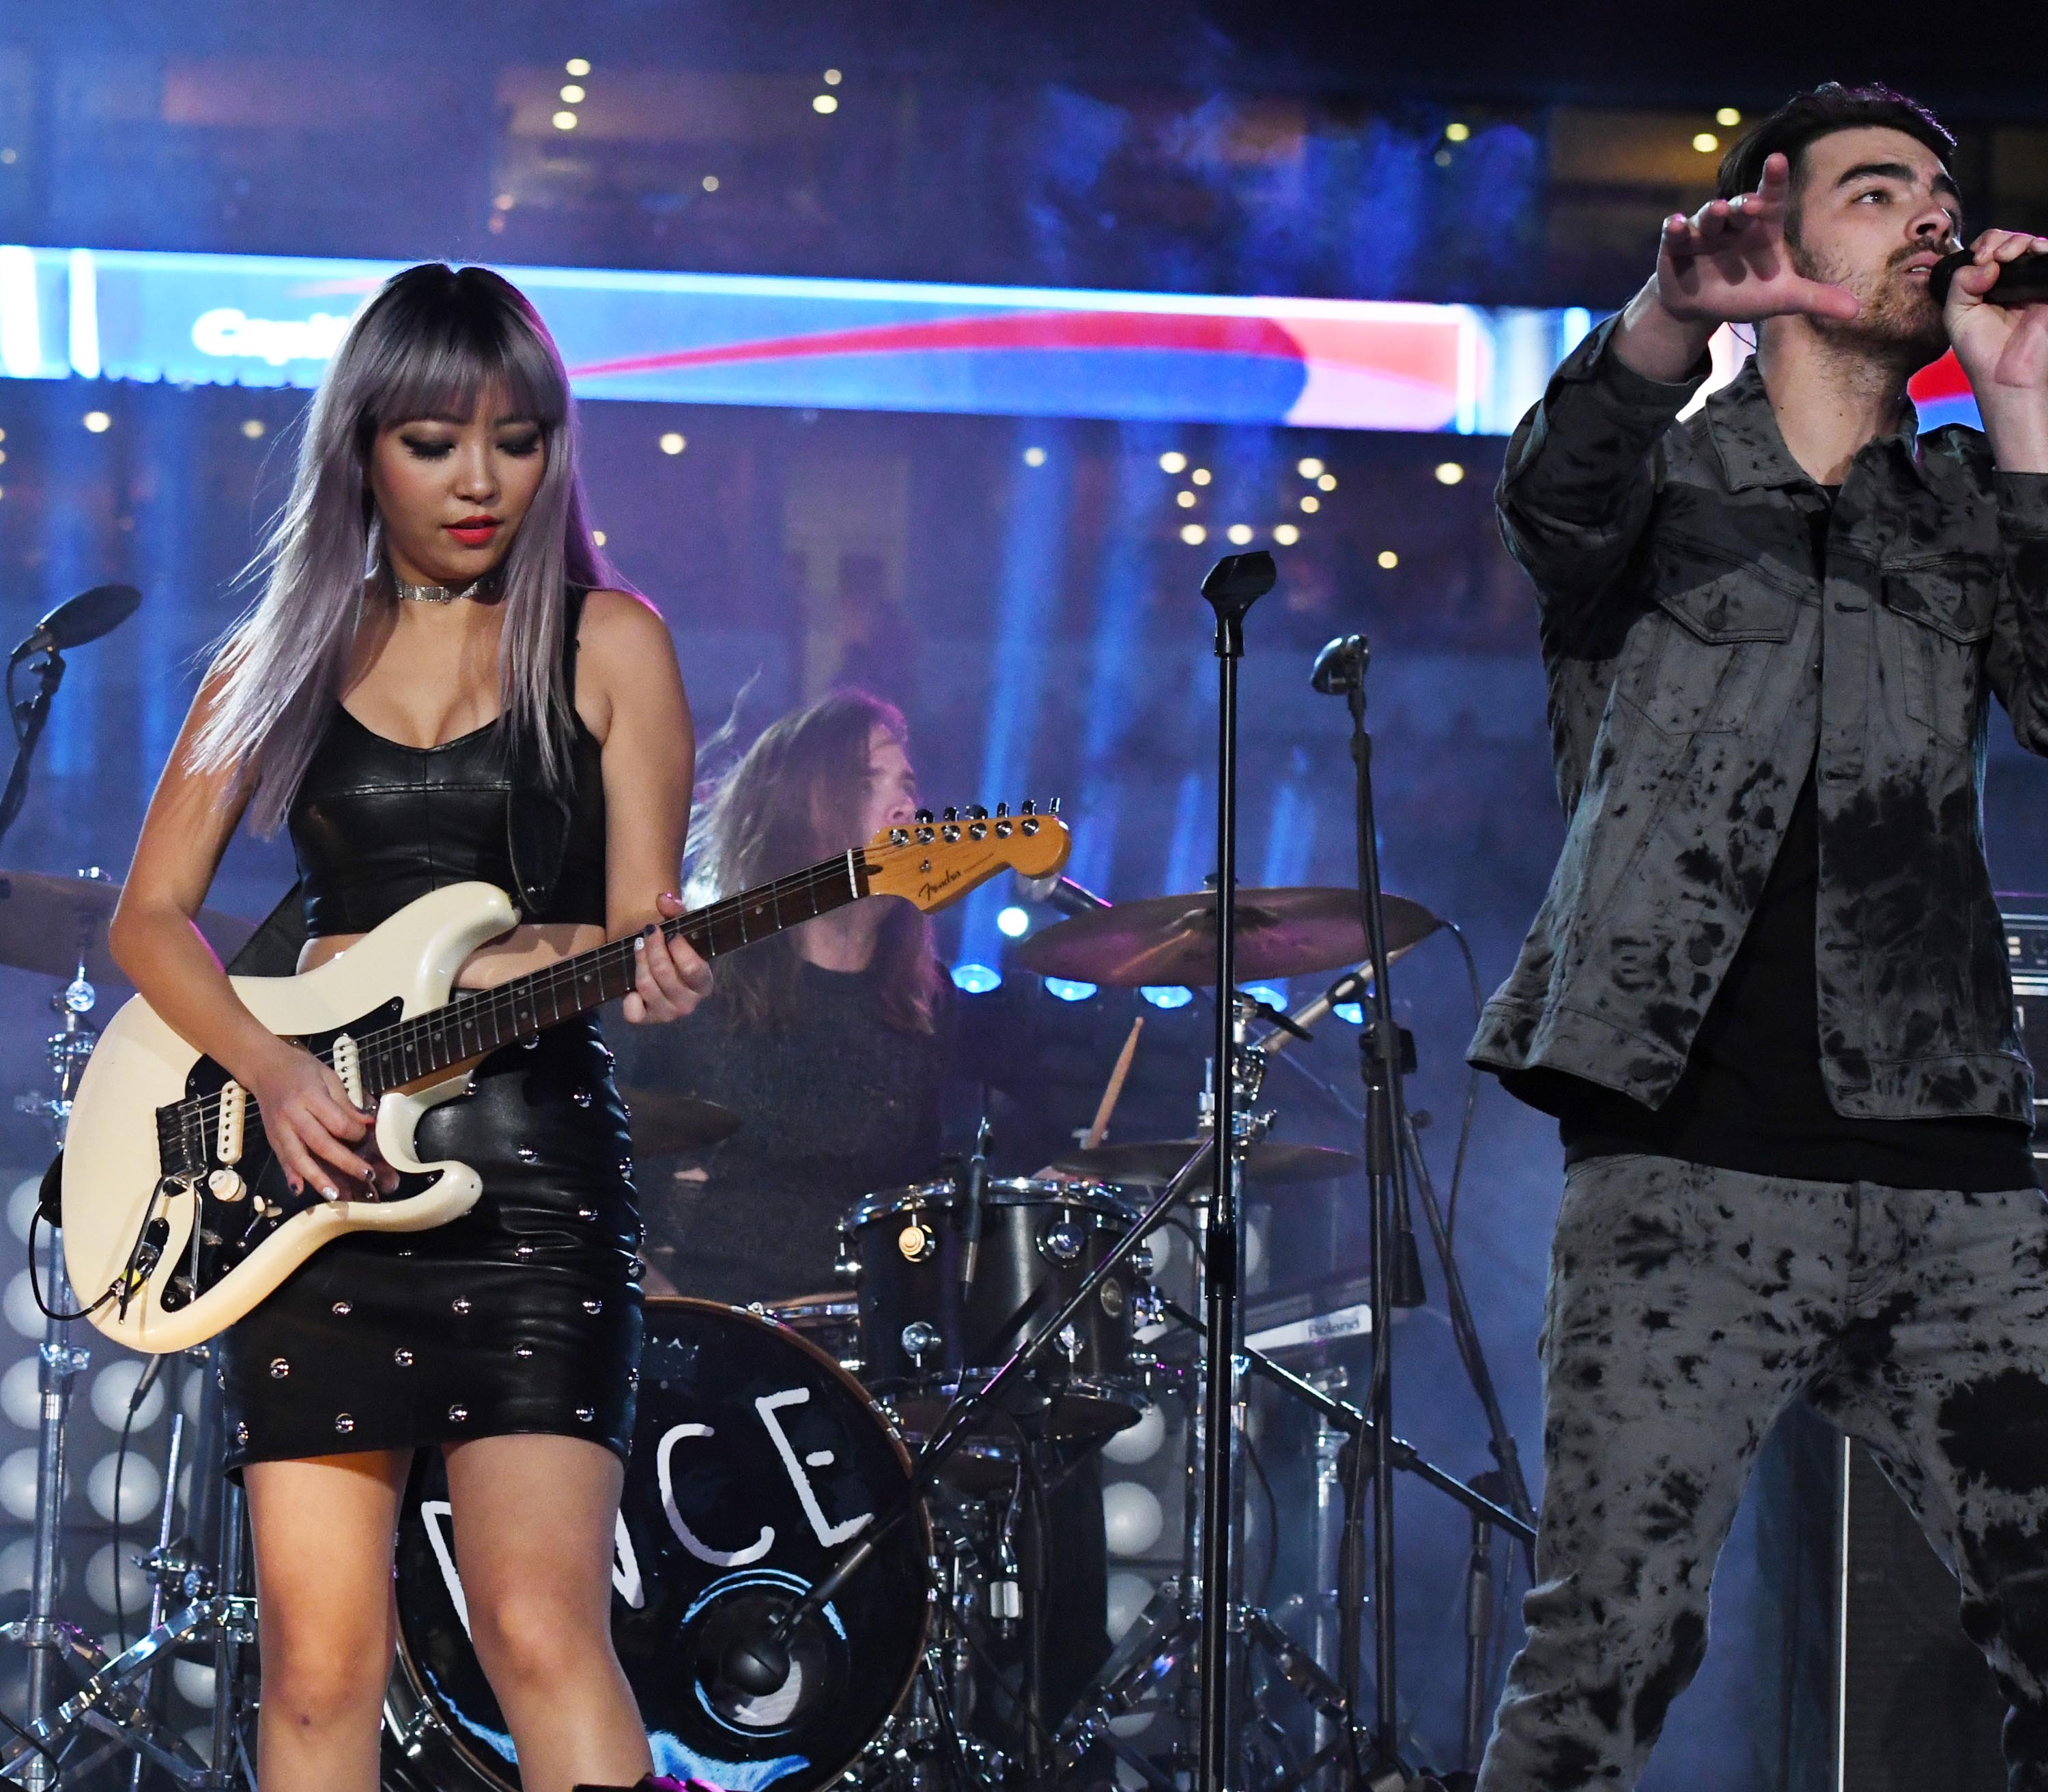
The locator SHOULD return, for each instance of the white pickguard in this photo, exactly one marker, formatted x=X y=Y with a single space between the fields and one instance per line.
x=111 y=1159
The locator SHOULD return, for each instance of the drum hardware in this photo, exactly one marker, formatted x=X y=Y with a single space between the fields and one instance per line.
x=665 y=1124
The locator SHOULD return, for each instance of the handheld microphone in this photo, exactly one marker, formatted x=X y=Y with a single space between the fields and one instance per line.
x=1339 y=667
x=79 y=619
x=2024 y=282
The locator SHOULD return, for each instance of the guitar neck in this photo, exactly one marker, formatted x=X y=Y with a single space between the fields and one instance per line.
x=480 y=1022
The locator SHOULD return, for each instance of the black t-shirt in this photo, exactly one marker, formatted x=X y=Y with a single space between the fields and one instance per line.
x=1751 y=1097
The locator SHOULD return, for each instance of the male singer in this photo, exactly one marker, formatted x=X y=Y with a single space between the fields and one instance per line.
x=1766 y=995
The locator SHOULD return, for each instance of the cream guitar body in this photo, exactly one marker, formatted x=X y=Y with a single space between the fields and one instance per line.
x=176 y=1218
x=405 y=968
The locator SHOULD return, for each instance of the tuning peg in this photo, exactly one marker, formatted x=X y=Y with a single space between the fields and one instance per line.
x=1052 y=808
x=951 y=814
x=1002 y=811
x=924 y=818
x=1029 y=807
x=977 y=811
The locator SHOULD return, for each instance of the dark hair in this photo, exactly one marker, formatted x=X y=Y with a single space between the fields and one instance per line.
x=1819 y=112
x=792 y=799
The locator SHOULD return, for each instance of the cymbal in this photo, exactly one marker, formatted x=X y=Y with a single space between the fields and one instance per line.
x=1154 y=1161
x=1173 y=939
x=664 y=1122
x=48 y=923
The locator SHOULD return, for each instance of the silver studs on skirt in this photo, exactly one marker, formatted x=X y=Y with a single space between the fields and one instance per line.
x=593 y=1307
x=242 y=1436
x=342 y=1309
x=581 y=1098
x=526 y=1154
x=587 y=1414
x=522 y=1351
x=523 y=1251
x=343 y=1423
x=402 y=1358
x=586 y=1214
x=459 y=1304
x=458 y=1415
x=279 y=1368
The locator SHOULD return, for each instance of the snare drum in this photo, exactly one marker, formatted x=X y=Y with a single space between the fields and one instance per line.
x=755 y=1458
x=919 y=1345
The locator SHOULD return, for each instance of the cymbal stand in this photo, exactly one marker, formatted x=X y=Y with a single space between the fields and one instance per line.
x=47 y=1638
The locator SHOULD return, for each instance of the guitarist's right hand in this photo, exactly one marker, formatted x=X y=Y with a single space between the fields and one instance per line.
x=312 y=1125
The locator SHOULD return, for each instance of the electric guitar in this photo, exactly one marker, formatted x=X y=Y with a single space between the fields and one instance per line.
x=172 y=1228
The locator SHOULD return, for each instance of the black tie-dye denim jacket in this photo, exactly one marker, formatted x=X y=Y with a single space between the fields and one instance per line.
x=1698 y=665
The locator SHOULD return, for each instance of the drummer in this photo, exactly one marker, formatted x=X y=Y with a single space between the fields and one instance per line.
x=829 y=1041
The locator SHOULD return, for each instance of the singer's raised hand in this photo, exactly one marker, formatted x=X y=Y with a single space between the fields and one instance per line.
x=1726 y=264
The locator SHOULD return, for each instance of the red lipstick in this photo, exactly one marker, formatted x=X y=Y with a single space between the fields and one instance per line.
x=474 y=532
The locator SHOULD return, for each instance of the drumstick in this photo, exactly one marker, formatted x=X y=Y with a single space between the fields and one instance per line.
x=1100 y=1124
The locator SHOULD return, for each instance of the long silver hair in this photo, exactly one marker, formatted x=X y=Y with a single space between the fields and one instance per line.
x=429 y=342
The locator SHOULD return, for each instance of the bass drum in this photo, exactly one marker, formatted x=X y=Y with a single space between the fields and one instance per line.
x=755 y=1458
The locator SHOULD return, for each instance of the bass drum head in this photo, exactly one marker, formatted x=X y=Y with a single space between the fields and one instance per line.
x=755 y=1459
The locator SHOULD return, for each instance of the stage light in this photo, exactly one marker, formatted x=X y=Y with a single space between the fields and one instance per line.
x=565 y=121
x=252 y=427
x=597 y=535
x=824 y=102
x=577 y=66
x=3 y=457
x=9 y=157
x=141 y=1484
x=1128 y=1596
x=504 y=202
x=1239 y=533
x=114 y=1388
x=1327 y=482
x=572 y=94
x=3 y=435
x=98 y=422
x=976 y=980
x=1287 y=534
x=1172 y=461
x=673 y=443
x=1272 y=997
x=1706 y=142
x=1311 y=469
x=1351 y=1012
x=711 y=183
x=1442 y=158
x=1013 y=923
x=1132 y=1518
x=833 y=77
x=1034 y=456
x=1200 y=476
x=1388 y=559
x=1067 y=990
x=1194 y=534
x=1727 y=115
x=1449 y=472
x=1185 y=499
x=1139 y=1442
x=1457 y=133
x=1167 y=996
x=21 y=1394
x=1312 y=503
x=100 y=1569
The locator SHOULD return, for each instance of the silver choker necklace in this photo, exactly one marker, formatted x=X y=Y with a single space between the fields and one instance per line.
x=435 y=594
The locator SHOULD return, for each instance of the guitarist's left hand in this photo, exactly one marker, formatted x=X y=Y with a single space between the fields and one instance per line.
x=672 y=978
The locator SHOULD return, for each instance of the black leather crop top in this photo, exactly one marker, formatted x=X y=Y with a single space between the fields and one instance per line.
x=376 y=824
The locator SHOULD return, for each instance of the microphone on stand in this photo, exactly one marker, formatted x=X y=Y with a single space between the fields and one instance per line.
x=1339 y=667
x=1063 y=893
x=977 y=1182
x=79 y=619
x=2024 y=282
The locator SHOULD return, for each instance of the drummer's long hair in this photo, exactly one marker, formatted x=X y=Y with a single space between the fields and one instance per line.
x=790 y=800
x=431 y=342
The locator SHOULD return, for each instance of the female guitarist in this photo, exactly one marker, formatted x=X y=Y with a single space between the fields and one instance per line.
x=482 y=703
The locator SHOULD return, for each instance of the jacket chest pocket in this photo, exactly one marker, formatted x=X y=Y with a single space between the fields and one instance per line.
x=1695 y=662
x=1938 y=616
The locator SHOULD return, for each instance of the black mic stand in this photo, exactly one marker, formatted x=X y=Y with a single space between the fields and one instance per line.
x=1393 y=1261
x=30 y=715
x=1234 y=584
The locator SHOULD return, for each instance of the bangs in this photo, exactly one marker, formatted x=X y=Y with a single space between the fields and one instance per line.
x=445 y=349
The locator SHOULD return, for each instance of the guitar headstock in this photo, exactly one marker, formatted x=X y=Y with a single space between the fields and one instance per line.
x=938 y=859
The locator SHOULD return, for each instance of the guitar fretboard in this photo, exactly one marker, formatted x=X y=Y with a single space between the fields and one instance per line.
x=482 y=1021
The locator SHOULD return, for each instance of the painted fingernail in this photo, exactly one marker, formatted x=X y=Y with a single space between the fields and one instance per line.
x=330 y=1191
x=640 y=944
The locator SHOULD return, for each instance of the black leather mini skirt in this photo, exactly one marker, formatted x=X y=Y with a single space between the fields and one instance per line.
x=523 y=1315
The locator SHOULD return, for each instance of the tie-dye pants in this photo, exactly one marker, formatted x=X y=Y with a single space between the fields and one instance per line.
x=1687 y=1307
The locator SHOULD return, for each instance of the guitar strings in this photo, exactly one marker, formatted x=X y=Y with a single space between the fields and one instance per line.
x=206 y=1109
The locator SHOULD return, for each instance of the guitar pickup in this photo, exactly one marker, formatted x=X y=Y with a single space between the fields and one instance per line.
x=234 y=1115
x=348 y=1067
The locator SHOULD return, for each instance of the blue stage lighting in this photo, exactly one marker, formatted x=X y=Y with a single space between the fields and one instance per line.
x=1350 y=1011
x=1167 y=996
x=976 y=980
x=1267 y=994
x=1013 y=922
x=1068 y=991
